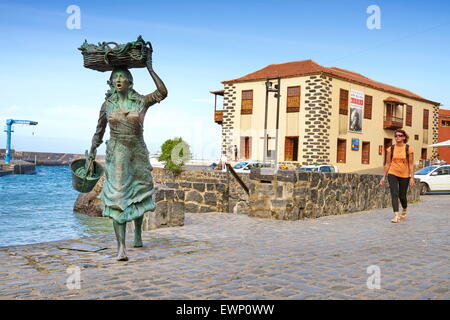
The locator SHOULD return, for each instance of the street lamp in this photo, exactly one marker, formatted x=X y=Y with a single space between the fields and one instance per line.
x=271 y=87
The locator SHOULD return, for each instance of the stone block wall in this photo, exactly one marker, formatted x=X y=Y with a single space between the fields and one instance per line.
x=294 y=195
x=229 y=108
x=207 y=190
x=169 y=212
x=435 y=129
x=202 y=196
x=316 y=141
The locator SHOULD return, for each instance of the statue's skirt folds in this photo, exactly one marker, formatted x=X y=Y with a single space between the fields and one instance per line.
x=128 y=188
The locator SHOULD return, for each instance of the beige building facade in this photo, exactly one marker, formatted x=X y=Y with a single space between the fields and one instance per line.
x=324 y=115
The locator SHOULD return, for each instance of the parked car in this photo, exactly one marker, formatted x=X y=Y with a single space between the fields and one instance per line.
x=320 y=168
x=434 y=178
x=245 y=166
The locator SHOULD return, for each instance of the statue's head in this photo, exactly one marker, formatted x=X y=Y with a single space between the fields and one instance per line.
x=121 y=80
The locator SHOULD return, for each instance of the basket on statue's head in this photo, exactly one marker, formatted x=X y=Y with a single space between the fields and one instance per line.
x=106 y=56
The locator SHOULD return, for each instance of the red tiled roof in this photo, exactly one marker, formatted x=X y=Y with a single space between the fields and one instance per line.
x=392 y=99
x=307 y=67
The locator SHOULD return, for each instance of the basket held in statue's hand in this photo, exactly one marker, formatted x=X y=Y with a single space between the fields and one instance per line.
x=85 y=174
x=107 y=55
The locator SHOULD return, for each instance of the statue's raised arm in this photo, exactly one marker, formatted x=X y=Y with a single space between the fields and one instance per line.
x=161 y=91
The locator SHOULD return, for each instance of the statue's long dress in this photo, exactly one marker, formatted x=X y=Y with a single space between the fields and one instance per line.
x=128 y=188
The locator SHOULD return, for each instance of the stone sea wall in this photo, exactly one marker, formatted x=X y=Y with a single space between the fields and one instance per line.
x=293 y=195
x=207 y=190
x=46 y=158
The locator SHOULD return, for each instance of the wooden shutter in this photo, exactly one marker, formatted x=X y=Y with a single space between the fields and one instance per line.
x=408 y=121
x=242 y=148
x=288 y=149
x=343 y=102
x=249 y=147
x=365 y=153
x=368 y=107
x=247 y=102
x=293 y=99
x=341 y=150
x=425 y=118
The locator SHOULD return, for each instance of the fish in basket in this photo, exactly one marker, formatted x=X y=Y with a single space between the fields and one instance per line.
x=106 y=56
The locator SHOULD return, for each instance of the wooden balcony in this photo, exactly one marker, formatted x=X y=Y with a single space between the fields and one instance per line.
x=391 y=122
x=218 y=116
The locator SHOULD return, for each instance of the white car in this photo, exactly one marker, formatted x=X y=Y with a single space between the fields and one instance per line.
x=245 y=166
x=320 y=168
x=434 y=178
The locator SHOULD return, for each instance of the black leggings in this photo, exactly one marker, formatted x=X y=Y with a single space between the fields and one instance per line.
x=399 y=188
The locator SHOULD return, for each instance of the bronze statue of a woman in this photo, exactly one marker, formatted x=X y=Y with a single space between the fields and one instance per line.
x=128 y=188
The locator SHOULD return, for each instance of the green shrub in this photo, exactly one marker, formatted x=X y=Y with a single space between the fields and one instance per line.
x=174 y=154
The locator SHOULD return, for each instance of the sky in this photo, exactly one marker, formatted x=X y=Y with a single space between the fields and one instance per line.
x=198 y=44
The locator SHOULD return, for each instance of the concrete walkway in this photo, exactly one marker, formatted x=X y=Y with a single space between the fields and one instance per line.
x=218 y=256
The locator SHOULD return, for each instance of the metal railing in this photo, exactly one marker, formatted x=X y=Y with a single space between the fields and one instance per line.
x=239 y=180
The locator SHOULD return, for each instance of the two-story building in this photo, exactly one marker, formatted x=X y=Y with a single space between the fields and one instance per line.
x=444 y=134
x=303 y=113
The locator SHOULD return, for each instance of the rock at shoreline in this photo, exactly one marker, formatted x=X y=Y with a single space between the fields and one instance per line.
x=88 y=203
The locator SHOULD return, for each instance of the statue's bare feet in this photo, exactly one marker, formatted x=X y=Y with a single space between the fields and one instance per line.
x=122 y=256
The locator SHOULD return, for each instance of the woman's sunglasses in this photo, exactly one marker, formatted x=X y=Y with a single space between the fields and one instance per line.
x=399 y=135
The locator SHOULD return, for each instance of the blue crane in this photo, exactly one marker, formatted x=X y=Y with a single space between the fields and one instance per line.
x=9 y=124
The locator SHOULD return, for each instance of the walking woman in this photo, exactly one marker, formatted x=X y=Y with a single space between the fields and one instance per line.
x=399 y=170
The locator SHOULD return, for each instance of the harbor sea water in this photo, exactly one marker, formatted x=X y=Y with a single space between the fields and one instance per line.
x=39 y=208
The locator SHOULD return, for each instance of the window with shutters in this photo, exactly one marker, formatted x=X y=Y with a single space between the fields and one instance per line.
x=408 y=121
x=368 y=107
x=425 y=118
x=365 y=153
x=246 y=148
x=293 y=99
x=343 y=102
x=291 y=149
x=247 y=102
x=341 y=150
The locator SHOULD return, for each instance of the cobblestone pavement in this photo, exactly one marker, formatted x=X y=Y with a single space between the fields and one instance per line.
x=223 y=256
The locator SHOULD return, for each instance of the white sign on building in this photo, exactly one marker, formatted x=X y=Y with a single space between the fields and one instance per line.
x=356 y=111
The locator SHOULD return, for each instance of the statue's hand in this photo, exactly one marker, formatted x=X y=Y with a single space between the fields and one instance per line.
x=92 y=153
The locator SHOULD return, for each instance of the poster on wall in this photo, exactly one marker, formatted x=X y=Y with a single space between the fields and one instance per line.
x=355 y=144
x=356 y=111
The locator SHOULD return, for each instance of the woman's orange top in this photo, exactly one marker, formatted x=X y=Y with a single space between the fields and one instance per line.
x=399 y=166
